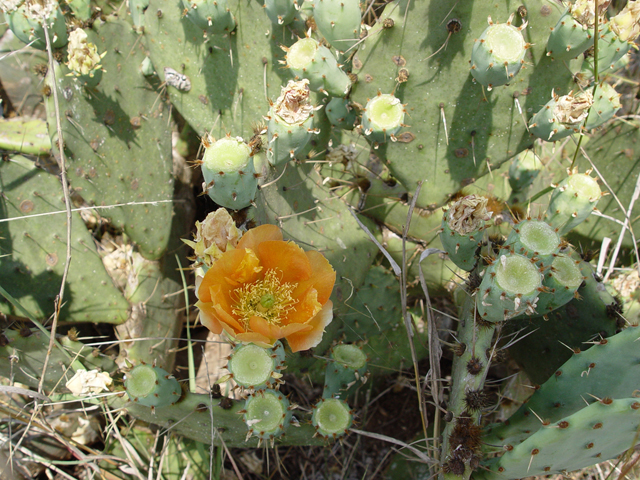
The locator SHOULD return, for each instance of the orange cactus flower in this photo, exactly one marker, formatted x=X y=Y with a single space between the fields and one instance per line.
x=267 y=289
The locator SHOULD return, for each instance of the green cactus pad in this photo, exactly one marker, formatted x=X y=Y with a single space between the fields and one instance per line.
x=267 y=414
x=332 y=417
x=498 y=55
x=33 y=251
x=595 y=433
x=609 y=369
x=440 y=89
x=341 y=113
x=605 y=105
x=24 y=135
x=118 y=150
x=281 y=12
x=152 y=386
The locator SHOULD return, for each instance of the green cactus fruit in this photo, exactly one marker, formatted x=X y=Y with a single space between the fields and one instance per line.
x=462 y=227
x=281 y=12
x=610 y=49
x=26 y=24
x=341 y=113
x=307 y=58
x=339 y=22
x=498 y=55
x=331 y=418
x=510 y=286
x=560 y=284
x=572 y=35
x=605 y=105
x=152 y=386
x=572 y=201
x=255 y=367
x=534 y=239
x=212 y=16
x=561 y=116
x=267 y=414
x=383 y=117
x=289 y=122
x=229 y=173
x=523 y=170
x=345 y=370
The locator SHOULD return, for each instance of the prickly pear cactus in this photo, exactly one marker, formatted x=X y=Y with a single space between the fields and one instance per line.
x=306 y=131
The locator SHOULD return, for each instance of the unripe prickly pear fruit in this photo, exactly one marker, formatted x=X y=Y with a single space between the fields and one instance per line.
x=572 y=35
x=267 y=414
x=346 y=369
x=572 y=201
x=534 y=239
x=383 y=117
x=610 y=50
x=561 y=116
x=560 y=284
x=341 y=114
x=510 y=286
x=331 y=418
x=229 y=173
x=339 y=22
x=308 y=59
x=498 y=55
x=605 y=105
x=26 y=24
x=523 y=170
x=256 y=367
x=152 y=386
x=463 y=225
x=281 y=12
x=289 y=122
x=212 y=16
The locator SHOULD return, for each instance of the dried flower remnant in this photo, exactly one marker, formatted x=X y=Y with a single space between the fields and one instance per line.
x=572 y=109
x=89 y=382
x=468 y=214
x=267 y=289
x=584 y=11
x=216 y=235
x=293 y=103
x=83 y=56
x=626 y=25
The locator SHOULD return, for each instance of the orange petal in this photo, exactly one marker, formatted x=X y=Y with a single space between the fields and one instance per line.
x=208 y=318
x=257 y=235
x=306 y=308
x=306 y=340
x=228 y=272
x=323 y=277
x=226 y=319
x=288 y=258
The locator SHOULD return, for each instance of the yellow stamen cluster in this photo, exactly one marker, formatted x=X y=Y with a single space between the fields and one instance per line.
x=269 y=298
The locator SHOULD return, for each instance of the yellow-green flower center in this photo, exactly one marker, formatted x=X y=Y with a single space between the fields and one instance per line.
x=269 y=298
